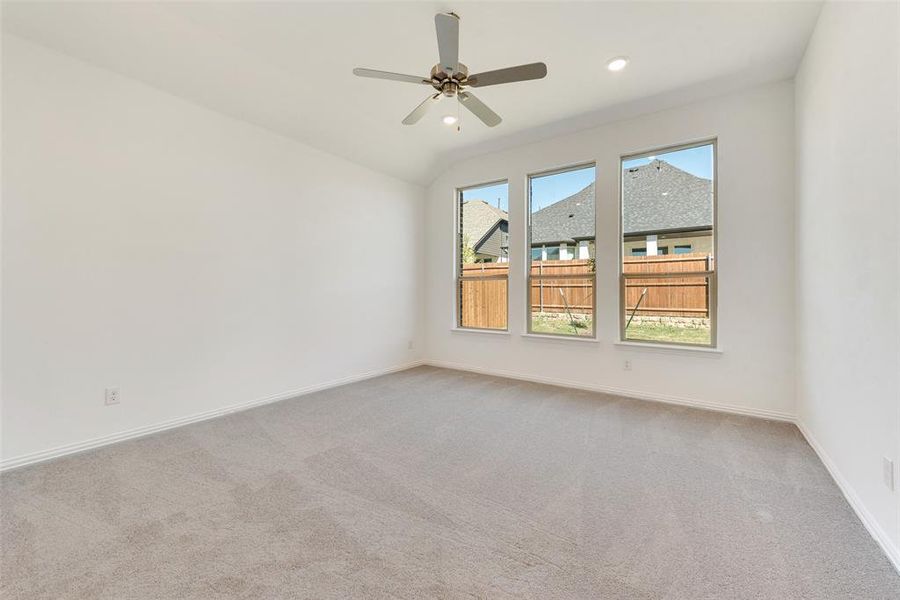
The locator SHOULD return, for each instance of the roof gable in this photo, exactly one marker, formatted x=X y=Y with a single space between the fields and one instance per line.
x=478 y=220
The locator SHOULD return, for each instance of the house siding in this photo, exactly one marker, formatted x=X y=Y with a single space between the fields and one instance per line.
x=700 y=243
x=493 y=245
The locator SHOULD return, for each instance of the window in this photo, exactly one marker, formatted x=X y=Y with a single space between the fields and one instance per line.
x=669 y=195
x=561 y=274
x=482 y=251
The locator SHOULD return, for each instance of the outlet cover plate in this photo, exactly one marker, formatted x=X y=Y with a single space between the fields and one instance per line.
x=112 y=396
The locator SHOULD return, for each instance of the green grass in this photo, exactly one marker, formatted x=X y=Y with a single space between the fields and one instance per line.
x=646 y=332
x=654 y=332
x=541 y=324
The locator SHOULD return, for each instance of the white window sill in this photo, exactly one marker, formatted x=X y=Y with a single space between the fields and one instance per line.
x=473 y=330
x=559 y=338
x=669 y=347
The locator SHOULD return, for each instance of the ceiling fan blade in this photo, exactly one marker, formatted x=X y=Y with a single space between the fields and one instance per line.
x=392 y=76
x=479 y=109
x=509 y=75
x=447 y=26
x=419 y=112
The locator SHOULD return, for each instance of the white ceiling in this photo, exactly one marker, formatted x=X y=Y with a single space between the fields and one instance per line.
x=287 y=66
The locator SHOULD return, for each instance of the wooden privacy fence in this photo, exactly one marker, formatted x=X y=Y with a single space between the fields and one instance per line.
x=668 y=296
x=483 y=288
x=550 y=292
x=482 y=295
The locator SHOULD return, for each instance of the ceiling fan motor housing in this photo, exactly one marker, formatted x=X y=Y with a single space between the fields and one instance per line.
x=447 y=84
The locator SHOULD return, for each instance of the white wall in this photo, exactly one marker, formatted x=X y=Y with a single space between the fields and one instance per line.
x=754 y=372
x=848 y=256
x=193 y=260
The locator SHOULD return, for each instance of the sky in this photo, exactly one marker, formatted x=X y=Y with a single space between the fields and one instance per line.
x=551 y=188
x=490 y=194
x=697 y=161
x=545 y=190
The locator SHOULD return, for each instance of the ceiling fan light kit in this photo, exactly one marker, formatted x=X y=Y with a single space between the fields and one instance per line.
x=450 y=78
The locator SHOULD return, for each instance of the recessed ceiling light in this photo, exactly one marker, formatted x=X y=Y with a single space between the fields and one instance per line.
x=618 y=63
x=449 y=120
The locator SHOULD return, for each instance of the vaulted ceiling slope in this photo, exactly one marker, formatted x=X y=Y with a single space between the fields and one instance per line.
x=288 y=67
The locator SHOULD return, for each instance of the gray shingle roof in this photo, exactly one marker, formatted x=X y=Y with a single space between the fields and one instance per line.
x=478 y=219
x=568 y=220
x=659 y=197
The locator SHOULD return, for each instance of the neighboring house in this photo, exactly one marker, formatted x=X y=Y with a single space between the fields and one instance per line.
x=666 y=211
x=565 y=229
x=486 y=230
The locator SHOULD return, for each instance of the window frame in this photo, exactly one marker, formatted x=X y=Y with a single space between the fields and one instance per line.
x=457 y=259
x=712 y=276
x=528 y=256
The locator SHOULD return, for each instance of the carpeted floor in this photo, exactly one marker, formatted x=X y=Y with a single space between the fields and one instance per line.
x=439 y=484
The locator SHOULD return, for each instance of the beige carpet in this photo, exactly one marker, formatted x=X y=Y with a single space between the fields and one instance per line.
x=437 y=483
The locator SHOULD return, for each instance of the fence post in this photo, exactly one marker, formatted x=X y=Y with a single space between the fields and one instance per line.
x=541 y=286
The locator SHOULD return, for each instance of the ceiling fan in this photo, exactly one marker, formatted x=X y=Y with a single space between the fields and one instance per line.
x=451 y=78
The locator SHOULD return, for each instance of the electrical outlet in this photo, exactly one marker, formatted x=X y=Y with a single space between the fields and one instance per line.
x=112 y=395
x=410 y=345
x=627 y=365
x=887 y=472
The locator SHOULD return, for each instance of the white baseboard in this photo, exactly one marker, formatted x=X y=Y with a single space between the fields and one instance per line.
x=853 y=499
x=763 y=413
x=36 y=457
